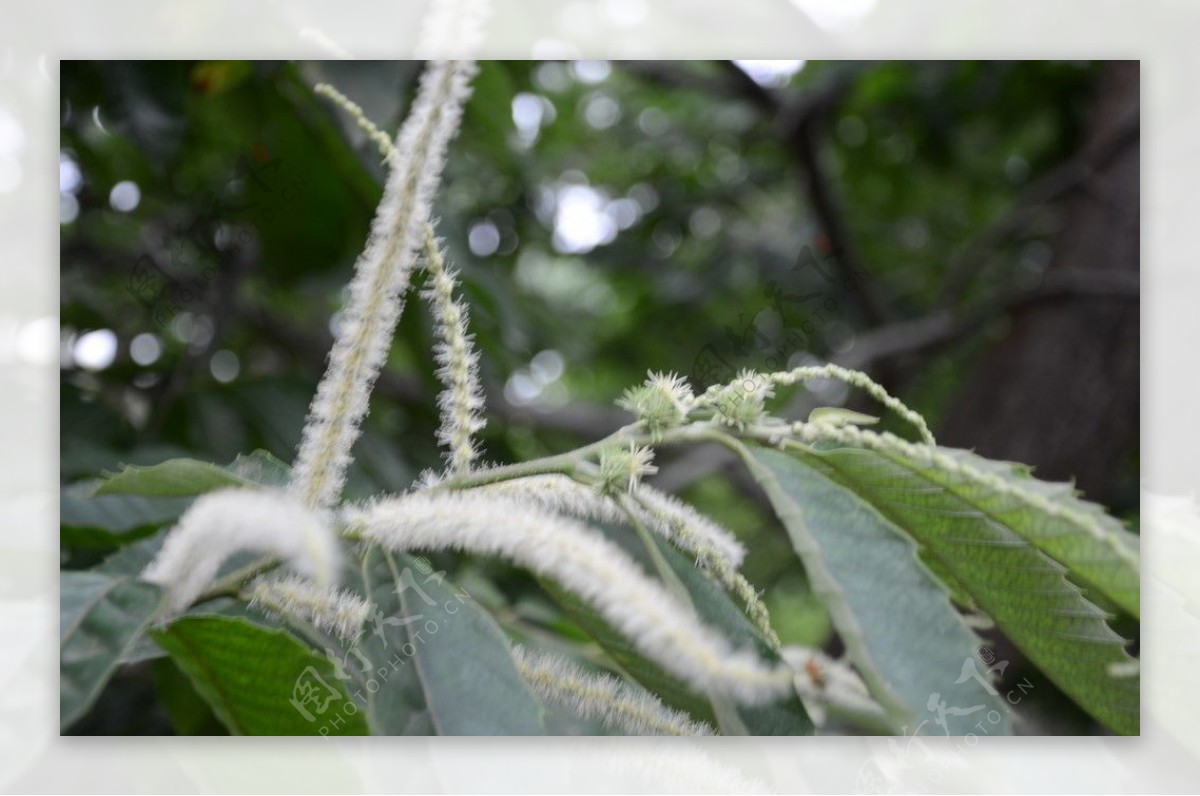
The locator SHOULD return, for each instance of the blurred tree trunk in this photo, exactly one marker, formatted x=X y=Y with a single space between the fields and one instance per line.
x=1061 y=390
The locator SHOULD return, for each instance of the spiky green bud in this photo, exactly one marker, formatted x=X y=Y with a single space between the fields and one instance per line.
x=742 y=402
x=622 y=468
x=661 y=403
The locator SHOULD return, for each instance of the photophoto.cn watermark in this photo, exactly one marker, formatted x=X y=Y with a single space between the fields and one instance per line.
x=319 y=701
x=910 y=765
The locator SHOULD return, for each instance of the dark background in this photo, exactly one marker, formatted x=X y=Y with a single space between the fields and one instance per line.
x=965 y=232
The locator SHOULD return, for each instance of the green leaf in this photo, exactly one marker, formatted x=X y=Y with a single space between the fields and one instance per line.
x=132 y=558
x=190 y=714
x=260 y=681
x=174 y=478
x=903 y=634
x=987 y=537
x=1094 y=546
x=261 y=468
x=189 y=477
x=128 y=561
x=101 y=617
x=104 y=520
x=716 y=608
x=439 y=663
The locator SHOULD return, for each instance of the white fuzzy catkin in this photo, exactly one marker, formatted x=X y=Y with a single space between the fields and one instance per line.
x=672 y=519
x=863 y=381
x=586 y=564
x=681 y=525
x=355 y=112
x=617 y=705
x=685 y=527
x=328 y=610
x=227 y=521
x=461 y=403
x=381 y=277
x=689 y=530
x=560 y=494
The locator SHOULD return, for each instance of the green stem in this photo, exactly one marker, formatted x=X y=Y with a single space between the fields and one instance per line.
x=564 y=463
x=568 y=463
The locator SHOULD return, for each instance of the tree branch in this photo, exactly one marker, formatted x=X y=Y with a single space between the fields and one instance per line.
x=1052 y=185
x=800 y=124
x=943 y=327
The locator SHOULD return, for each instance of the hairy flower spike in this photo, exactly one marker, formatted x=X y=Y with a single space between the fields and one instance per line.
x=863 y=381
x=682 y=526
x=661 y=403
x=675 y=521
x=228 y=521
x=622 y=468
x=331 y=611
x=429 y=479
x=559 y=494
x=617 y=705
x=741 y=403
x=355 y=112
x=586 y=564
x=716 y=550
x=685 y=527
x=381 y=277
x=458 y=363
